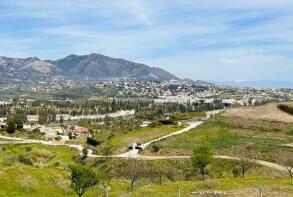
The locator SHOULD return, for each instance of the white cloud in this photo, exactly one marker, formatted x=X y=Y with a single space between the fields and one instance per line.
x=191 y=38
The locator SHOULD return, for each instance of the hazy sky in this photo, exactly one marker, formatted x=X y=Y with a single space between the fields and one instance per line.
x=199 y=39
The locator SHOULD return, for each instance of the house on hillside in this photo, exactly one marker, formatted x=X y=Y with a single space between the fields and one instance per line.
x=80 y=130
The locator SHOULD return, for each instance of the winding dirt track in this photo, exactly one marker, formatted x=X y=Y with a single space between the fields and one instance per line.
x=135 y=153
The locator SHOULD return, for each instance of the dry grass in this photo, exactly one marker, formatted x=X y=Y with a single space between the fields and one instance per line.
x=267 y=112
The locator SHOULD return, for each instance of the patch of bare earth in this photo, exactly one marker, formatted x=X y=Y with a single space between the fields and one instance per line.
x=268 y=112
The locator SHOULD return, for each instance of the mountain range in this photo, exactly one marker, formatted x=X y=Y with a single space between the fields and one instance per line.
x=79 y=67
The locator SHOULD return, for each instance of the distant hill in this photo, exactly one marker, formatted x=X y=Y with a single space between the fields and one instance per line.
x=93 y=66
x=258 y=84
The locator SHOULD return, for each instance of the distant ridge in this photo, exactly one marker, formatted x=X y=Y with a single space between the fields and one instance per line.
x=258 y=84
x=93 y=67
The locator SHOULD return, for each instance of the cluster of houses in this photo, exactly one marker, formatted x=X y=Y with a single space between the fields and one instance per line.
x=54 y=134
x=58 y=134
x=182 y=92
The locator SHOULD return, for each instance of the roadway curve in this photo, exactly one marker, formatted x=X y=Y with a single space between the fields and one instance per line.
x=135 y=153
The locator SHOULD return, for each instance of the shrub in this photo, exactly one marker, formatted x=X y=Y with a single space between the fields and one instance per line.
x=41 y=157
x=24 y=160
x=43 y=153
x=290 y=132
x=10 y=160
x=28 y=149
x=2 y=148
x=28 y=184
x=57 y=163
x=167 y=122
x=92 y=141
x=155 y=148
x=286 y=108
x=85 y=152
x=210 y=184
x=235 y=172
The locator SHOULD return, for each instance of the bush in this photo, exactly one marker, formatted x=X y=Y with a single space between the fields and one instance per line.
x=41 y=157
x=57 y=164
x=28 y=149
x=167 y=122
x=10 y=160
x=286 y=108
x=155 y=148
x=210 y=184
x=24 y=160
x=2 y=148
x=92 y=141
x=290 y=132
x=235 y=172
x=28 y=184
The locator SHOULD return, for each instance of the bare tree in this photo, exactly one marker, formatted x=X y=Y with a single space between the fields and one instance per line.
x=245 y=158
x=135 y=170
x=287 y=160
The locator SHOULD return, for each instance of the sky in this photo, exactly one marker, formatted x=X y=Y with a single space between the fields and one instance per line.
x=217 y=40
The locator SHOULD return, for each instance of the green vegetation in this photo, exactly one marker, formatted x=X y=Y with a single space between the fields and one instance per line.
x=151 y=178
x=38 y=170
x=201 y=158
x=120 y=142
x=15 y=123
x=221 y=136
x=288 y=108
x=82 y=179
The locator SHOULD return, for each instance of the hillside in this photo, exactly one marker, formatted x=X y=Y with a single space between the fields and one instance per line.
x=93 y=67
x=268 y=112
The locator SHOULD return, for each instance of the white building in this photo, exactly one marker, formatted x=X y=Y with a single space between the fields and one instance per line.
x=32 y=118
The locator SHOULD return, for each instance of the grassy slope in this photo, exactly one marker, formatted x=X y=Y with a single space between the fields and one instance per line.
x=121 y=142
x=54 y=180
x=221 y=139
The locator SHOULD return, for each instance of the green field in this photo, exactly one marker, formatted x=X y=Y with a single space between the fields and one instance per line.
x=120 y=142
x=18 y=179
x=221 y=137
x=40 y=170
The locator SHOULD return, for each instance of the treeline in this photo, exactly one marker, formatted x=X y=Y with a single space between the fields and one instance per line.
x=145 y=108
x=286 y=108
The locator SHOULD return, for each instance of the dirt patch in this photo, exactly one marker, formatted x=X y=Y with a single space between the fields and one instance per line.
x=269 y=112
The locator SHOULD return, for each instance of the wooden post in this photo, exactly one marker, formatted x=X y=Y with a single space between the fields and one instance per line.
x=260 y=192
